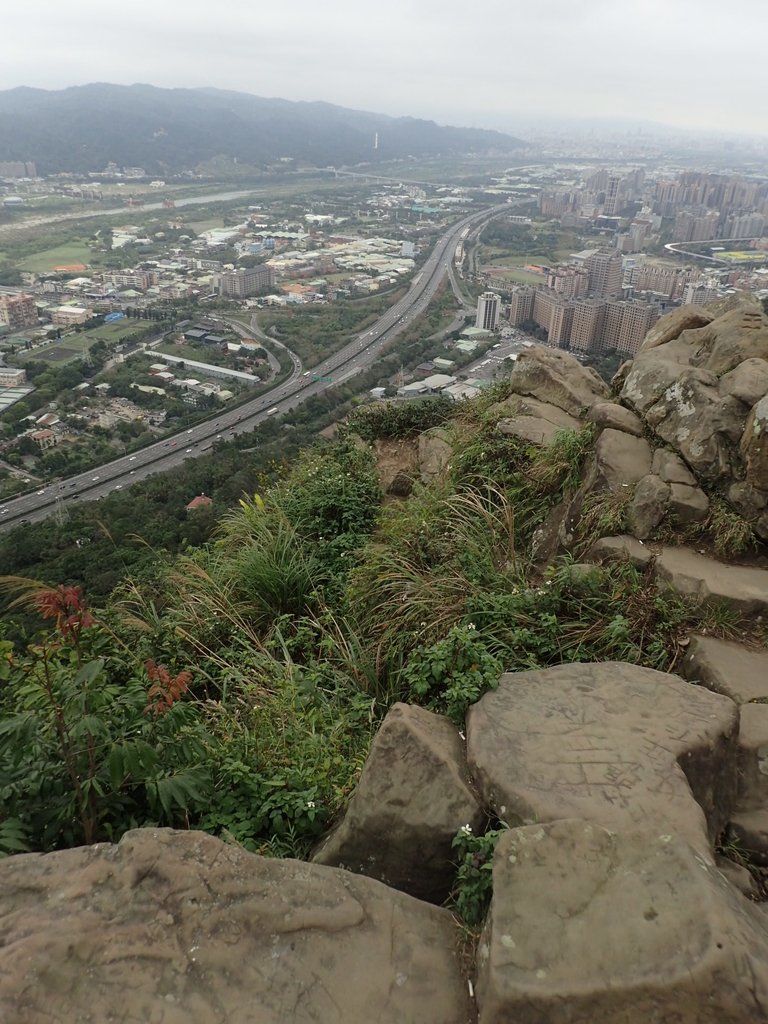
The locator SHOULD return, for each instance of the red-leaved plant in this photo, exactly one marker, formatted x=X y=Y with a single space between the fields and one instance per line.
x=166 y=689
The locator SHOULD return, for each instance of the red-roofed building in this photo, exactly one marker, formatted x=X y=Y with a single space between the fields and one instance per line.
x=199 y=502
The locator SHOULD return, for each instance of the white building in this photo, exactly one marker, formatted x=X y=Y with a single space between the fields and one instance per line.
x=488 y=305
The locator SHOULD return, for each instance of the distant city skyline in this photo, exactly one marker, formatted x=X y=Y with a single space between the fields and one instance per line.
x=687 y=63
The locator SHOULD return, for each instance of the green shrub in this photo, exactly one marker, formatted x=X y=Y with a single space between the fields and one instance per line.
x=453 y=673
x=400 y=419
x=473 y=887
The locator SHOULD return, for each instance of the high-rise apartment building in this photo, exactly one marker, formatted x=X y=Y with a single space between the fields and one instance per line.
x=626 y=324
x=614 y=196
x=605 y=269
x=560 y=323
x=570 y=282
x=239 y=284
x=587 y=327
x=488 y=305
x=18 y=311
x=521 y=306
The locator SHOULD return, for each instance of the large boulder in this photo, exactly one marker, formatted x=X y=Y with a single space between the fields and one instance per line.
x=555 y=377
x=610 y=414
x=701 y=424
x=412 y=798
x=179 y=928
x=614 y=744
x=534 y=421
x=748 y=381
x=594 y=926
x=703 y=389
x=673 y=324
x=621 y=460
x=648 y=506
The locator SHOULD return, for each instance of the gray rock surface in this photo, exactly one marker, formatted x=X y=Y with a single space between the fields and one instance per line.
x=673 y=324
x=687 y=505
x=412 y=798
x=590 y=926
x=435 y=451
x=614 y=744
x=671 y=468
x=525 y=405
x=744 y=588
x=727 y=667
x=754 y=446
x=753 y=757
x=700 y=423
x=703 y=390
x=610 y=414
x=648 y=505
x=555 y=377
x=748 y=381
x=620 y=549
x=531 y=428
x=179 y=928
x=621 y=460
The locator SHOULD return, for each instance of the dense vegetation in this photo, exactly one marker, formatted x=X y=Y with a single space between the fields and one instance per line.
x=235 y=687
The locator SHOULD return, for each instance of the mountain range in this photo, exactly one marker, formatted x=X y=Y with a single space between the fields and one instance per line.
x=84 y=128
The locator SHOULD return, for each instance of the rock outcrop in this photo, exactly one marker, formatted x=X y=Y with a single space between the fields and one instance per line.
x=178 y=928
x=412 y=798
x=612 y=744
x=556 y=378
x=701 y=389
x=637 y=927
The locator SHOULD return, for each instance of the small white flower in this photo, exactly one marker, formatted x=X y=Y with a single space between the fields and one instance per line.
x=310 y=804
x=466 y=829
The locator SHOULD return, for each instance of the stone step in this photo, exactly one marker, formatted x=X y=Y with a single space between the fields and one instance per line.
x=738 y=672
x=691 y=574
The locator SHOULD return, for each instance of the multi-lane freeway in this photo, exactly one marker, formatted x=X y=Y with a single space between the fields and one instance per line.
x=356 y=356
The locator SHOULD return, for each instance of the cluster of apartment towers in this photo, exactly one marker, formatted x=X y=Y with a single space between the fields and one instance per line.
x=580 y=308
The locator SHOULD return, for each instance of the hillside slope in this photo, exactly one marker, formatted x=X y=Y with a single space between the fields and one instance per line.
x=164 y=130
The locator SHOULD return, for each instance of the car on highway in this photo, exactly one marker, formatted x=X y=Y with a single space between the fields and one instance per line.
x=94 y=479
x=118 y=487
x=132 y=458
x=189 y=431
x=41 y=492
x=3 y=512
x=187 y=452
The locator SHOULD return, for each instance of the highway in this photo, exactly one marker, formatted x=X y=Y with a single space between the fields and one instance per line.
x=163 y=455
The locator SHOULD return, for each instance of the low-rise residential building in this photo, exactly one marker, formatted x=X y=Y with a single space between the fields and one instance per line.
x=11 y=377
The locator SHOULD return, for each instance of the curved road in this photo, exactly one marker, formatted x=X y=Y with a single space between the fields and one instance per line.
x=356 y=356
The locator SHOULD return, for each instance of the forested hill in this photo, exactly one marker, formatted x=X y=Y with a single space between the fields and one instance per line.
x=163 y=130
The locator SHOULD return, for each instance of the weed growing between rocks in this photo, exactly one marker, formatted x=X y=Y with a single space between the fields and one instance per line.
x=473 y=887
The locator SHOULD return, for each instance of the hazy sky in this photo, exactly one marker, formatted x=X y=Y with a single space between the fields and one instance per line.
x=699 y=63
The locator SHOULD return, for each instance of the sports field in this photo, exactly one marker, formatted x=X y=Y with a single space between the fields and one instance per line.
x=67 y=255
